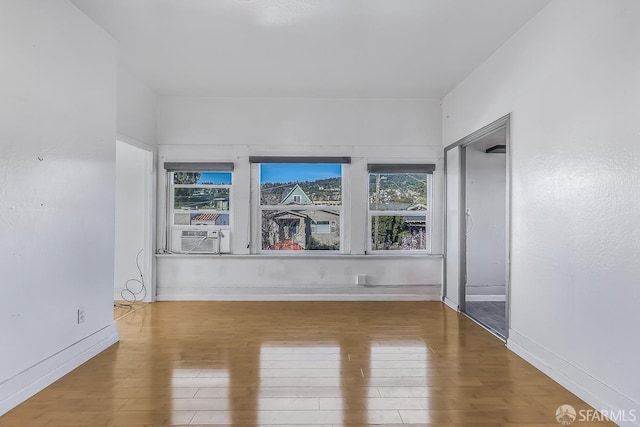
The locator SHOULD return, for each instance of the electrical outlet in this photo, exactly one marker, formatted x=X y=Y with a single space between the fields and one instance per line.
x=81 y=315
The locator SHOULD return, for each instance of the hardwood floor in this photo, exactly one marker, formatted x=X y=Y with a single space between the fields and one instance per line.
x=299 y=363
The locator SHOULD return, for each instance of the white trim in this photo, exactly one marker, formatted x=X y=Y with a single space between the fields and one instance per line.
x=255 y=214
x=345 y=210
x=422 y=212
x=299 y=253
x=22 y=386
x=400 y=252
x=294 y=297
x=132 y=141
x=300 y=208
x=593 y=391
x=451 y=304
x=202 y=227
x=203 y=185
x=150 y=226
x=435 y=296
x=486 y=297
x=307 y=255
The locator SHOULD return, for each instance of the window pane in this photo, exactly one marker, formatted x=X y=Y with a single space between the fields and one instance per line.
x=201 y=199
x=300 y=184
x=323 y=227
x=398 y=232
x=187 y=218
x=202 y=178
x=398 y=191
x=300 y=230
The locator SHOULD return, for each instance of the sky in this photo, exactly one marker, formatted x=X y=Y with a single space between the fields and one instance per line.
x=215 y=177
x=290 y=172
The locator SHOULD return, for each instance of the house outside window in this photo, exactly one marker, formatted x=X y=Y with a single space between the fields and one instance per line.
x=300 y=206
x=399 y=205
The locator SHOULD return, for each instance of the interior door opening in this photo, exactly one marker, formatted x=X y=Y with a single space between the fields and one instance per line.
x=484 y=189
x=133 y=267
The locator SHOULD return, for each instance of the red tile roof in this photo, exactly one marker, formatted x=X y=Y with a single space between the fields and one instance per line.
x=287 y=245
x=206 y=217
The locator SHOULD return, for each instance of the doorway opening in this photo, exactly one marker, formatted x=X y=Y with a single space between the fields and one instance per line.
x=477 y=225
x=133 y=268
x=485 y=226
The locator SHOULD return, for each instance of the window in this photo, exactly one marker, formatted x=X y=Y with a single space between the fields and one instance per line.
x=300 y=205
x=399 y=207
x=199 y=203
x=201 y=198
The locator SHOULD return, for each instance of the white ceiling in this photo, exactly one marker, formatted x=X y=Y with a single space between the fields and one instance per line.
x=318 y=48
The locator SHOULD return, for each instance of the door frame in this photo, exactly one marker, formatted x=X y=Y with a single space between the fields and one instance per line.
x=503 y=122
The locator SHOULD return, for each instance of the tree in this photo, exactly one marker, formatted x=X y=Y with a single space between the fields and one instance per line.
x=268 y=231
x=389 y=233
x=186 y=177
x=316 y=245
x=182 y=196
x=415 y=240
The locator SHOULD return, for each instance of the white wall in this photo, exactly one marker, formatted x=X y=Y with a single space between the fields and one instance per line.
x=570 y=80
x=132 y=167
x=137 y=111
x=299 y=122
x=375 y=130
x=137 y=127
x=451 y=294
x=485 y=191
x=57 y=127
x=289 y=277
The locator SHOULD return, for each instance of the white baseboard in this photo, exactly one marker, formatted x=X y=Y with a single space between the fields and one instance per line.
x=452 y=305
x=297 y=297
x=486 y=298
x=593 y=391
x=22 y=386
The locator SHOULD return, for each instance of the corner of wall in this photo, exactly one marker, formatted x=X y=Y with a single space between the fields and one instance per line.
x=593 y=391
x=27 y=383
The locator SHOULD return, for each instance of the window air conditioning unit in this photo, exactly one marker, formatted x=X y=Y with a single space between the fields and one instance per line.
x=201 y=241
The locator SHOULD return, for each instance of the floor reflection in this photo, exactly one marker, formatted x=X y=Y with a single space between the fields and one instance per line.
x=311 y=366
x=400 y=372
x=290 y=377
x=267 y=364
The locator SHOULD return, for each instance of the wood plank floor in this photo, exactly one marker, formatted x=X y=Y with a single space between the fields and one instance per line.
x=299 y=363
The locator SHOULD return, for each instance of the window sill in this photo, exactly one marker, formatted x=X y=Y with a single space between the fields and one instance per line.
x=303 y=256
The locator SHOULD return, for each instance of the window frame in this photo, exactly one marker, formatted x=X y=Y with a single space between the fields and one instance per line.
x=171 y=211
x=371 y=213
x=298 y=208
